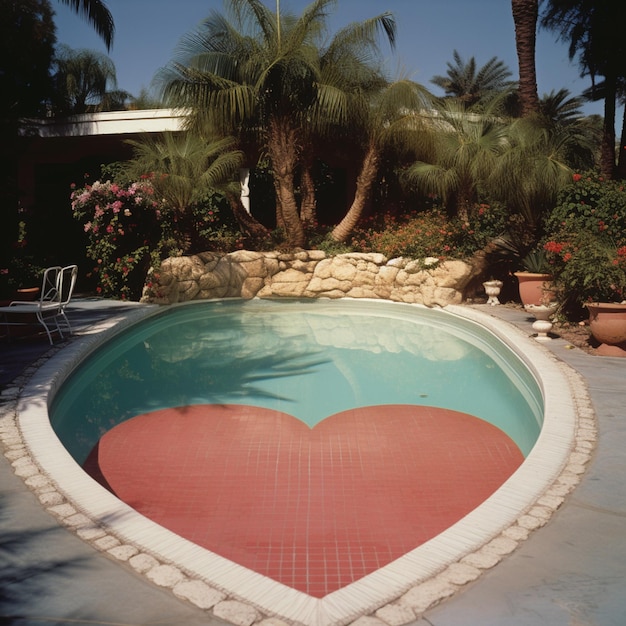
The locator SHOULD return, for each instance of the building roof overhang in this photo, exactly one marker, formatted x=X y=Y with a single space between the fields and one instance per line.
x=107 y=123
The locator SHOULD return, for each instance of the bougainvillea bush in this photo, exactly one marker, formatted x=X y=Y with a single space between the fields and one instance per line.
x=122 y=225
x=130 y=230
x=586 y=242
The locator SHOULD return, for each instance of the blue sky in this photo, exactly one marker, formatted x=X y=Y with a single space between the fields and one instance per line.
x=147 y=32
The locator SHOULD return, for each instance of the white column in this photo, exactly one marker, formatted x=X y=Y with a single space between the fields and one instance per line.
x=244 y=180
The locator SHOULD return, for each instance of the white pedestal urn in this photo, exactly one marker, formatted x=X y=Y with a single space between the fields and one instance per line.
x=542 y=314
x=492 y=289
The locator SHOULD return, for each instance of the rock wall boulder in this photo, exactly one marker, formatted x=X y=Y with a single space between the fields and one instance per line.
x=308 y=274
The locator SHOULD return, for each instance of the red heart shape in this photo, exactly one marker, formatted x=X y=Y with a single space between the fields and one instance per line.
x=315 y=509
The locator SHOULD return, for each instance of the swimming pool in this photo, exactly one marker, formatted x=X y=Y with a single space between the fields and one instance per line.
x=134 y=534
x=309 y=358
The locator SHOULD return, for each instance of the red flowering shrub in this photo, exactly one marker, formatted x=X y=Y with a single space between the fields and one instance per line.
x=586 y=242
x=428 y=233
x=591 y=205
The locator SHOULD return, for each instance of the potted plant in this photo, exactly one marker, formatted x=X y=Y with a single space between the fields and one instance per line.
x=21 y=278
x=591 y=272
x=535 y=281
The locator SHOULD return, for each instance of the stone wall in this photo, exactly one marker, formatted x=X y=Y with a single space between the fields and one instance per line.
x=307 y=274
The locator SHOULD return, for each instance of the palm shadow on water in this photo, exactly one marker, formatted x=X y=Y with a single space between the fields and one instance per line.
x=33 y=564
x=167 y=370
x=218 y=385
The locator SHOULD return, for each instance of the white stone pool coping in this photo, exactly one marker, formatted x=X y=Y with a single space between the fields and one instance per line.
x=397 y=593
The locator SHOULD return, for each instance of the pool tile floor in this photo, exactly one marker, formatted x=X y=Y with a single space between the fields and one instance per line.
x=314 y=509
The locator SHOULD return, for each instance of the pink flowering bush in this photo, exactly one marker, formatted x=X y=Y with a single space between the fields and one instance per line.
x=122 y=223
x=129 y=230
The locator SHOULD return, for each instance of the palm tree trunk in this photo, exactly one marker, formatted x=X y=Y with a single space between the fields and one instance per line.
x=282 y=148
x=364 y=182
x=525 y=15
x=248 y=223
x=607 y=149
x=621 y=160
x=308 y=212
x=280 y=221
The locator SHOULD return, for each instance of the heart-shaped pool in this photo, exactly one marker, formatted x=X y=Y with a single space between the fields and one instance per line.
x=342 y=384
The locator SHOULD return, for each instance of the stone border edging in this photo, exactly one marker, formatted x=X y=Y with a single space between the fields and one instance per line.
x=308 y=274
x=402 y=609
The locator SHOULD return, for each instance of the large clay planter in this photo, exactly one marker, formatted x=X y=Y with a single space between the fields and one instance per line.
x=534 y=288
x=607 y=323
x=27 y=294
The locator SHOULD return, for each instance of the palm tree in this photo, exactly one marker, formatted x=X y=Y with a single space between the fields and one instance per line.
x=392 y=117
x=525 y=15
x=471 y=85
x=259 y=78
x=81 y=80
x=560 y=107
x=465 y=149
x=560 y=111
x=252 y=78
x=97 y=14
x=597 y=92
x=184 y=168
x=594 y=30
x=348 y=80
x=536 y=164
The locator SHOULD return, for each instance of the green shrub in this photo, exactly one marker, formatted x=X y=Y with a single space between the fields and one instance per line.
x=591 y=205
x=586 y=243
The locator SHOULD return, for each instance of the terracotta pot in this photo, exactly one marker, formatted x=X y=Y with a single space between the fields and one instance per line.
x=607 y=322
x=28 y=293
x=534 y=288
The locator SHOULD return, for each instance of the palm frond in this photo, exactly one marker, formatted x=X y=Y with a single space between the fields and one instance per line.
x=97 y=14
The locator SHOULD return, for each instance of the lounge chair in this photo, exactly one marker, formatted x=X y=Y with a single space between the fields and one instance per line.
x=45 y=311
x=67 y=278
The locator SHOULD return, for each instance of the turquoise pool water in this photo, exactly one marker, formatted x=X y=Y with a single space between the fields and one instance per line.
x=308 y=358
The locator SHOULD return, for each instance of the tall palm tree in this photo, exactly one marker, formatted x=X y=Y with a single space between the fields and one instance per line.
x=525 y=16
x=597 y=92
x=81 y=80
x=348 y=80
x=594 y=30
x=470 y=84
x=97 y=14
x=252 y=77
x=258 y=76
